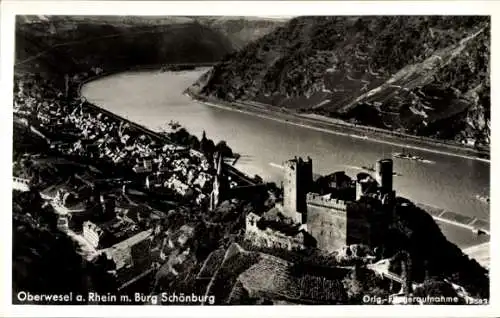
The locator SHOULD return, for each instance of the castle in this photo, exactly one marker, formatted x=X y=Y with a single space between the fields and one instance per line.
x=350 y=212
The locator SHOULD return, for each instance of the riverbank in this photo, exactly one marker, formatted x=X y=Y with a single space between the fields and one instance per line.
x=234 y=172
x=260 y=154
x=328 y=125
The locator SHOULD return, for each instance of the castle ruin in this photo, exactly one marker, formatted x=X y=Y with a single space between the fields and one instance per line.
x=335 y=222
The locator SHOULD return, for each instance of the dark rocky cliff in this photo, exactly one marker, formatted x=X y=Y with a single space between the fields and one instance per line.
x=426 y=76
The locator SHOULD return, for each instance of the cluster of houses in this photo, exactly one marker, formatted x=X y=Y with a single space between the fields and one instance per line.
x=121 y=229
x=107 y=223
x=85 y=132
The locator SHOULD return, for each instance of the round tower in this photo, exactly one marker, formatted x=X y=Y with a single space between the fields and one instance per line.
x=383 y=175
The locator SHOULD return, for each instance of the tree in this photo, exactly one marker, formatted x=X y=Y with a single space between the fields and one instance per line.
x=353 y=284
x=362 y=281
x=194 y=143
x=182 y=136
x=224 y=149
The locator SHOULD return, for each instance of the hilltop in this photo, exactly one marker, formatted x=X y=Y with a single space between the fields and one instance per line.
x=426 y=76
x=241 y=30
x=113 y=42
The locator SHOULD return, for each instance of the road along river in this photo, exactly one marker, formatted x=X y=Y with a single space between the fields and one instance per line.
x=152 y=98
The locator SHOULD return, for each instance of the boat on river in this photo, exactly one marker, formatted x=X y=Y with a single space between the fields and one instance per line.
x=409 y=156
x=364 y=137
x=483 y=198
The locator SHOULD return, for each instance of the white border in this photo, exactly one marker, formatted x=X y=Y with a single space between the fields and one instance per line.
x=241 y=8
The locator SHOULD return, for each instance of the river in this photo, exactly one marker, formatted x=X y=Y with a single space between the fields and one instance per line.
x=153 y=99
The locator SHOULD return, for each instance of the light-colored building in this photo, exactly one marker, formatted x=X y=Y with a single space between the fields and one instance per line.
x=92 y=233
x=143 y=166
x=177 y=185
x=21 y=184
x=272 y=238
x=122 y=254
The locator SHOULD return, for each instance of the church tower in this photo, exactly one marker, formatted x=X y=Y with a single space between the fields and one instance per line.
x=218 y=180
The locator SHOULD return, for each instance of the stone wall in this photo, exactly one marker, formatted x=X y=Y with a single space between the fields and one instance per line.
x=324 y=201
x=335 y=223
x=367 y=222
x=327 y=226
x=271 y=238
x=274 y=239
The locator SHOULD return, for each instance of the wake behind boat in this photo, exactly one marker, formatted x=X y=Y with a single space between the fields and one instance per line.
x=371 y=168
x=409 y=156
x=368 y=168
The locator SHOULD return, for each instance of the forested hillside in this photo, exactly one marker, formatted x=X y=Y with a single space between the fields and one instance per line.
x=118 y=42
x=426 y=76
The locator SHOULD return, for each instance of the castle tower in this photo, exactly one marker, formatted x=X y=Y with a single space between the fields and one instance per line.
x=365 y=184
x=216 y=189
x=383 y=175
x=297 y=183
x=108 y=205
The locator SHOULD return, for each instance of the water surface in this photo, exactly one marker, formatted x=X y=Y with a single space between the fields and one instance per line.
x=153 y=99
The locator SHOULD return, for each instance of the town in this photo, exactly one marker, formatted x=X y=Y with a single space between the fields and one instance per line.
x=149 y=210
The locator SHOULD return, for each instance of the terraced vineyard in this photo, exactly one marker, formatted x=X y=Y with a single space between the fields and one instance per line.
x=422 y=75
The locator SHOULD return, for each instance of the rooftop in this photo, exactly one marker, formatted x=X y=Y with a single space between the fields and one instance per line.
x=120 y=253
x=118 y=229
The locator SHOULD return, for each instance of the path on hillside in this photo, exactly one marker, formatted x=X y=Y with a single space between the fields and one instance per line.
x=404 y=74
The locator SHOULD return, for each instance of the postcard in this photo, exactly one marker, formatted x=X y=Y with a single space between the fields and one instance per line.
x=167 y=156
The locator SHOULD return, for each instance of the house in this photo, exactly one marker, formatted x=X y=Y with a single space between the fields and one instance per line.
x=177 y=185
x=92 y=233
x=142 y=167
x=107 y=234
x=163 y=166
x=155 y=180
x=128 y=252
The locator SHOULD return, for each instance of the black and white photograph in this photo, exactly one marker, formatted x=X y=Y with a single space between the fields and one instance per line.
x=203 y=160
